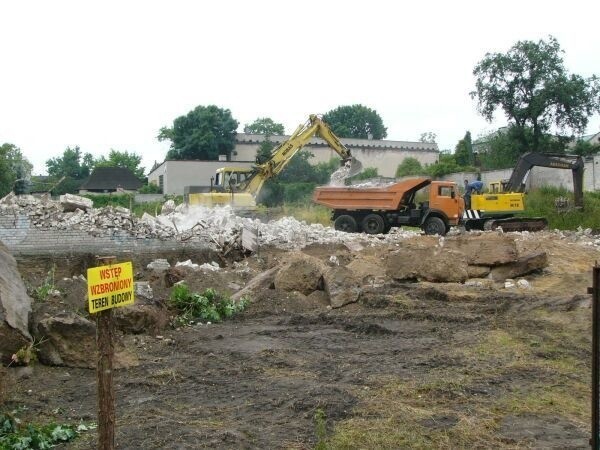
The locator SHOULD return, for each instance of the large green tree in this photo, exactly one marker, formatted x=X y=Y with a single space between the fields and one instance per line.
x=15 y=170
x=355 y=121
x=73 y=166
x=204 y=133
x=266 y=126
x=463 y=152
x=531 y=85
x=125 y=159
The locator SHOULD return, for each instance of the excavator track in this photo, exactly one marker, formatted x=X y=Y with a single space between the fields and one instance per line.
x=517 y=224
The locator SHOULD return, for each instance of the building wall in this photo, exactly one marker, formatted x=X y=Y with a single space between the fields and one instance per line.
x=179 y=174
x=22 y=239
x=384 y=155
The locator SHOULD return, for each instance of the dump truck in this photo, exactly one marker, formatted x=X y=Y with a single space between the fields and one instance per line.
x=404 y=203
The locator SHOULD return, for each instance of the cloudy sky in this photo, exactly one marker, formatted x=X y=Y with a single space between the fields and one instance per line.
x=109 y=74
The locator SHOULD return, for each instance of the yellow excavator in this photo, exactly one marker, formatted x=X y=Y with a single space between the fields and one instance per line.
x=497 y=207
x=239 y=187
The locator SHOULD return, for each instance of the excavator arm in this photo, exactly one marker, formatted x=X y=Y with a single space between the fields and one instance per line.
x=283 y=153
x=527 y=161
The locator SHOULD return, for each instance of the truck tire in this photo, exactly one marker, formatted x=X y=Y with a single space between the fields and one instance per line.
x=373 y=224
x=434 y=225
x=345 y=223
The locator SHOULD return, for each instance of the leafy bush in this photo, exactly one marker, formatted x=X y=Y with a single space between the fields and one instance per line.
x=14 y=436
x=298 y=193
x=150 y=188
x=209 y=306
x=409 y=166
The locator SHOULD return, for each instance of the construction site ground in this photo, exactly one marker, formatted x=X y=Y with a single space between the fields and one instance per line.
x=410 y=365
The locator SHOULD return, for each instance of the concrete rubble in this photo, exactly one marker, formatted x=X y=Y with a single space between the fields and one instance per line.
x=220 y=228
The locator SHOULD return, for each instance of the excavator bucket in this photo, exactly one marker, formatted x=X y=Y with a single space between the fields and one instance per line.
x=354 y=166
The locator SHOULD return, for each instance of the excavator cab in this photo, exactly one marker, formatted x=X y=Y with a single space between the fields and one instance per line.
x=230 y=178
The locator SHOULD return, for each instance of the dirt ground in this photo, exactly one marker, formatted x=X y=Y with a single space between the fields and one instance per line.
x=411 y=365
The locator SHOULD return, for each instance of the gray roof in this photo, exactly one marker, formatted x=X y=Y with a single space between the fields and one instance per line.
x=245 y=138
x=112 y=178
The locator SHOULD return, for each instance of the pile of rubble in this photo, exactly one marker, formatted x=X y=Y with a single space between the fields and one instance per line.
x=219 y=227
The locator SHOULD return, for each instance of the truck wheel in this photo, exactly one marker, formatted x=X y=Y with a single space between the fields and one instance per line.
x=434 y=225
x=373 y=224
x=345 y=223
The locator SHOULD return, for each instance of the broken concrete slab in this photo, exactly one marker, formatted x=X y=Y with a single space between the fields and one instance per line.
x=302 y=273
x=70 y=340
x=262 y=281
x=140 y=318
x=15 y=307
x=522 y=266
x=428 y=264
x=478 y=271
x=342 y=286
x=486 y=249
x=72 y=202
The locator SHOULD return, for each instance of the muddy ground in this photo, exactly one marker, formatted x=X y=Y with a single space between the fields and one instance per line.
x=411 y=365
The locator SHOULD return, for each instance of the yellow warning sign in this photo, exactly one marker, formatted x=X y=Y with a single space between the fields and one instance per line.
x=110 y=286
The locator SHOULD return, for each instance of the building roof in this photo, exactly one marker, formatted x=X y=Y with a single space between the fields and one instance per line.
x=245 y=138
x=112 y=178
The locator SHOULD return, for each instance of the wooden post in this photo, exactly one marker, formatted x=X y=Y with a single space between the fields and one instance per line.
x=106 y=393
x=595 y=291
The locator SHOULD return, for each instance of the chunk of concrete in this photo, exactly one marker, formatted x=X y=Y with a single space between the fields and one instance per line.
x=522 y=266
x=478 y=271
x=70 y=202
x=302 y=273
x=259 y=283
x=342 y=286
x=70 y=340
x=15 y=308
x=486 y=249
x=428 y=264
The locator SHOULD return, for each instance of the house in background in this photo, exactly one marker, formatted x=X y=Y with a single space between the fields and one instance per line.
x=104 y=180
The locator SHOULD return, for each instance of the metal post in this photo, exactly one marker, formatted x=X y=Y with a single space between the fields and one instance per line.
x=106 y=393
x=595 y=291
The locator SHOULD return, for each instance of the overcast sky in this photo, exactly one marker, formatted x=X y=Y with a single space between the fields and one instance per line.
x=110 y=74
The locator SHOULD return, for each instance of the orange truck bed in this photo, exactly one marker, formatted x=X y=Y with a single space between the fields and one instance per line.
x=372 y=198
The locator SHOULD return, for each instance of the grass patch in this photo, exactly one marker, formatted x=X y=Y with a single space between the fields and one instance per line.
x=208 y=306
x=540 y=203
x=533 y=364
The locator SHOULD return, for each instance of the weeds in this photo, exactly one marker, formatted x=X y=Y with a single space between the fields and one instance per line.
x=209 y=306
x=27 y=354
x=320 y=419
x=17 y=437
x=44 y=291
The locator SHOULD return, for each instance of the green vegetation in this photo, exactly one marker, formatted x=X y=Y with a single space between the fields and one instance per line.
x=355 y=121
x=209 y=306
x=204 y=133
x=320 y=419
x=541 y=203
x=128 y=201
x=14 y=436
x=531 y=86
x=42 y=292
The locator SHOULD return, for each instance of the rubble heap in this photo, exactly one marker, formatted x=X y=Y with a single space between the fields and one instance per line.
x=218 y=227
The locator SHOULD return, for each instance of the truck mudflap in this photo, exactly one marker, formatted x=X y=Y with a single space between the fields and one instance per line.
x=517 y=224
